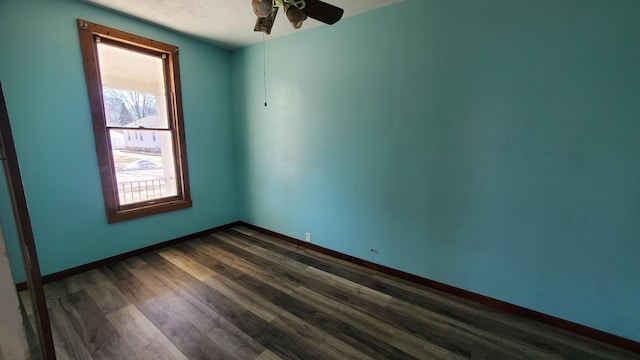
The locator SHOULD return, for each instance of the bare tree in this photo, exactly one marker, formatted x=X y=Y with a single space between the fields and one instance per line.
x=124 y=106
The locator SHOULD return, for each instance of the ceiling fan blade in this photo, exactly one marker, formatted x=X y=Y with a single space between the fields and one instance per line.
x=323 y=12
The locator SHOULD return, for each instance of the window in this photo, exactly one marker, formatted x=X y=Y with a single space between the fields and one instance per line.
x=134 y=86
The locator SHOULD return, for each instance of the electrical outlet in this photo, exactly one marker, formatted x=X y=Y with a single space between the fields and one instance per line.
x=307 y=237
x=374 y=251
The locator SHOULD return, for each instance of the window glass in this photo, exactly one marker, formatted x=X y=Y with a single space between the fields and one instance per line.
x=133 y=87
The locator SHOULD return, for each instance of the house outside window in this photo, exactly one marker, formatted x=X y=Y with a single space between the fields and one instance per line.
x=134 y=87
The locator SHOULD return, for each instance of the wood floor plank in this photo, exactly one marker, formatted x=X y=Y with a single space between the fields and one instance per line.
x=105 y=294
x=520 y=330
x=406 y=321
x=88 y=321
x=232 y=340
x=143 y=337
x=222 y=332
x=272 y=244
x=260 y=283
x=205 y=294
x=254 y=247
x=152 y=280
x=325 y=278
x=55 y=290
x=264 y=309
x=334 y=270
x=187 y=264
x=296 y=252
x=29 y=326
x=268 y=355
x=225 y=254
x=313 y=337
x=570 y=344
x=337 y=270
x=166 y=315
x=81 y=281
x=284 y=320
x=334 y=325
x=257 y=328
x=118 y=350
x=68 y=345
x=244 y=279
x=376 y=328
x=434 y=332
x=131 y=288
x=278 y=341
x=241 y=294
x=347 y=286
x=318 y=280
x=462 y=330
x=261 y=331
x=409 y=342
x=227 y=341
x=25 y=300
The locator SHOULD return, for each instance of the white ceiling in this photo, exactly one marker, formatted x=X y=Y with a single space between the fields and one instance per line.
x=227 y=23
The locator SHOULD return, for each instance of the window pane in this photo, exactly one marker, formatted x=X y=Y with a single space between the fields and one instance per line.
x=133 y=88
x=144 y=163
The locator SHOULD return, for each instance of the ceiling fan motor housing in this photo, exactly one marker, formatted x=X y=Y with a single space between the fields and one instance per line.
x=297 y=11
x=300 y=4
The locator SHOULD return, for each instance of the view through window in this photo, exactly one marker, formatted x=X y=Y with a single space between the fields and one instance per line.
x=134 y=96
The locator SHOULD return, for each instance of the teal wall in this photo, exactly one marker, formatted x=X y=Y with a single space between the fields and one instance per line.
x=43 y=78
x=490 y=145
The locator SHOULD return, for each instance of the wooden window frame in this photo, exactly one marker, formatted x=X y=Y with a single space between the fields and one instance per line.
x=88 y=33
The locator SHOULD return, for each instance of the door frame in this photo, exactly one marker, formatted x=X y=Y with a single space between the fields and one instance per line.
x=25 y=232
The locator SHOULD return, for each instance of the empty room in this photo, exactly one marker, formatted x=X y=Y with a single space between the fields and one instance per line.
x=306 y=179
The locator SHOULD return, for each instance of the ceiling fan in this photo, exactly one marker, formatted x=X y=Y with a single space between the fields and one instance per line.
x=297 y=11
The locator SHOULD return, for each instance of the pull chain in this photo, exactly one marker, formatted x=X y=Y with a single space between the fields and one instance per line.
x=264 y=63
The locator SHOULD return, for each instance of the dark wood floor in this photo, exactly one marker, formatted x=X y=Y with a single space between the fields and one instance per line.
x=238 y=294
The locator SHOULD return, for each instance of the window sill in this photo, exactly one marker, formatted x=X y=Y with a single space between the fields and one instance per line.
x=138 y=212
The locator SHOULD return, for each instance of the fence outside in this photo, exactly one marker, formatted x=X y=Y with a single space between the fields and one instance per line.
x=143 y=190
